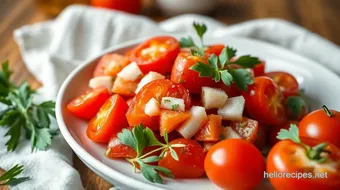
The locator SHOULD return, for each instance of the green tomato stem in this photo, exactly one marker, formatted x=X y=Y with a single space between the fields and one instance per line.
x=327 y=111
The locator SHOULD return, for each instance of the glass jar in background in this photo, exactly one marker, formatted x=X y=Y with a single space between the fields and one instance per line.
x=54 y=7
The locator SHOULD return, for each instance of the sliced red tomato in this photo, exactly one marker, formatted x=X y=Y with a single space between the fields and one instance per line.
x=109 y=120
x=274 y=130
x=231 y=90
x=110 y=65
x=265 y=102
x=155 y=89
x=156 y=54
x=170 y=120
x=286 y=82
x=130 y=6
x=124 y=87
x=214 y=49
x=211 y=130
x=259 y=69
x=261 y=138
x=181 y=73
x=87 y=105
x=247 y=128
x=190 y=162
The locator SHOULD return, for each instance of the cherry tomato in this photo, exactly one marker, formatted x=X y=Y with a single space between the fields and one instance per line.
x=110 y=65
x=214 y=49
x=170 y=120
x=156 y=54
x=155 y=89
x=247 y=128
x=109 y=120
x=234 y=164
x=130 y=6
x=261 y=138
x=231 y=90
x=259 y=69
x=211 y=130
x=322 y=124
x=181 y=73
x=286 y=82
x=87 y=105
x=265 y=102
x=190 y=162
x=274 y=130
x=289 y=157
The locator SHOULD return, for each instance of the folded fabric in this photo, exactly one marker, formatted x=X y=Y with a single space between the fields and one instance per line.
x=51 y=50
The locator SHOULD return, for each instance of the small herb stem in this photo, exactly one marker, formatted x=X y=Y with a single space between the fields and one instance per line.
x=153 y=151
x=327 y=112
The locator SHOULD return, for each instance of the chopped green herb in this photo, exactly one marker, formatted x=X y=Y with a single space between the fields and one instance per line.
x=10 y=177
x=174 y=106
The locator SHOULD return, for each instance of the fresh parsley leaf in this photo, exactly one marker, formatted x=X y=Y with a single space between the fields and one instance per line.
x=204 y=70
x=166 y=138
x=231 y=52
x=295 y=104
x=247 y=61
x=150 y=173
x=242 y=78
x=200 y=29
x=173 y=154
x=135 y=139
x=223 y=57
x=291 y=134
x=227 y=78
x=9 y=177
x=187 y=42
x=216 y=77
x=213 y=61
x=151 y=159
x=152 y=140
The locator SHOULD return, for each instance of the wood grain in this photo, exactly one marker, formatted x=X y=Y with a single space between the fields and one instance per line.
x=319 y=16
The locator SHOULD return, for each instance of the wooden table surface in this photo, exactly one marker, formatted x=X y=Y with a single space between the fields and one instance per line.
x=319 y=16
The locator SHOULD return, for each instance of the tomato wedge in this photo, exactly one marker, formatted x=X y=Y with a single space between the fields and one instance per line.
x=110 y=65
x=124 y=87
x=286 y=82
x=109 y=120
x=211 y=130
x=259 y=69
x=181 y=73
x=214 y=49
x=155 y=89
x=156 y=54
x=247 y=128
x=265 y=102
x=170 y=120
x=87 y=105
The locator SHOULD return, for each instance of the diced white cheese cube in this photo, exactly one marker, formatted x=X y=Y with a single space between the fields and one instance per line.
x=230 y=133
x=152 y=108
x=151 y=76
x=175 y=104
x=131 y=72
x=192 y=125
x=101 y=81
x=232 y=109
x=213 y=97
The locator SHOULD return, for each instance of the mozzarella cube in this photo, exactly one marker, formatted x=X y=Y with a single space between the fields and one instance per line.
x=230 y=133
x=193 y=124
x=213 y=97
x=131 y=72
x=151 y=76
x=101 y=81
x=174 y=104
x=152 y=108
x=232 y=109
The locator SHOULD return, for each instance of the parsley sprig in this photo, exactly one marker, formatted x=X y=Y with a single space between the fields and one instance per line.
x=10 y=177
x=138 y=139
x=313 y=153
x=19 y=113
x=297 y=105
x=219 y=68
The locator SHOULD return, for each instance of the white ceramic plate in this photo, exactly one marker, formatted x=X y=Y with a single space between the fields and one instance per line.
x=320 y=84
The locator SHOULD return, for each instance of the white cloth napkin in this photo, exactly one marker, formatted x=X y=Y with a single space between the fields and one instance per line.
x=52 y=49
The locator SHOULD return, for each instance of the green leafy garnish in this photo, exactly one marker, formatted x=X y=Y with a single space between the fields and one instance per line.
x=138 y=139
x=189 y=42
x=296 y=105
x=313 y=153
x=174 y=106
x=10 y=177
x=21 y=114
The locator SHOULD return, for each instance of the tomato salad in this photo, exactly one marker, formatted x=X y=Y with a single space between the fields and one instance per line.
x=177 y=109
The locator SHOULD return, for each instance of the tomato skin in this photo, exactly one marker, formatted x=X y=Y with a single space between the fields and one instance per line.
x=181 y=73
x=211 y=130
x=214 y=49
x=319 y=126
x=274 y=130
x=110 y=65
x=259 y=69
x=124 y=87
x=191 y=159
x=286 y=83
x=264 y=102
x=231 y=90
x=262 y=135
x=130 y=6
x=281 y=159
x=155 y=89
x=87 y=105
x=109 y=120
x=170 y=120
x=155 y=59
x=242 y=160
x=247 y=128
